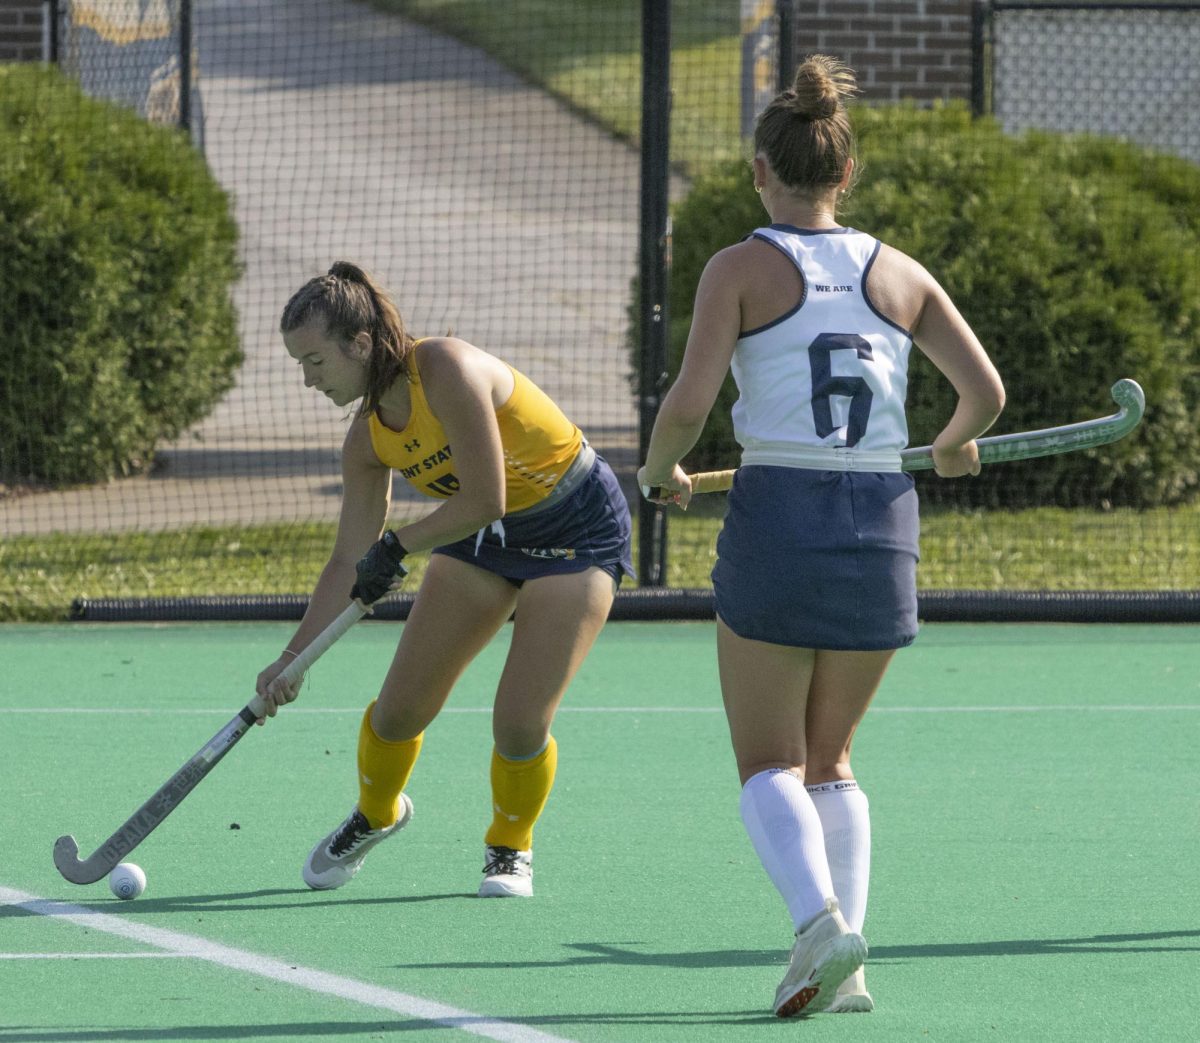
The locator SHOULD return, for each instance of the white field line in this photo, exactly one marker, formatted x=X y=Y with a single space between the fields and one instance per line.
x=360 y=992
x=92 y=955
x=176 y=711
x=1048 y=708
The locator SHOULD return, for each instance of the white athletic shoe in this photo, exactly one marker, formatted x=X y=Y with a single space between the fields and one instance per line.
x=852 y=996
x=507 y=873
x=825 y=954
x=338 y=857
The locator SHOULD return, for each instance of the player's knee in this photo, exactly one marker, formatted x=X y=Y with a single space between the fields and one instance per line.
x=747 y=769
x=515 y=739
x=394 y=722
x=827 y=769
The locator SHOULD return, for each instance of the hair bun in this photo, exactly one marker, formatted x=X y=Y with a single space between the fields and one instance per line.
x=346 y=270
x=820 y=87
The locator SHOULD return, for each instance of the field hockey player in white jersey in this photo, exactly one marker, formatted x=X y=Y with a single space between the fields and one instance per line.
x=815 y=580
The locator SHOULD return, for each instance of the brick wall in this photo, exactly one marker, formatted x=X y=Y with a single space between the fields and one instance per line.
x=20 y=30
x=918 y=49
x=899 y=48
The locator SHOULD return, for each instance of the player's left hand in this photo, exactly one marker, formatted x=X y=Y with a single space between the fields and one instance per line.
x=957 y=460
x=379 y=570
x=677 y=489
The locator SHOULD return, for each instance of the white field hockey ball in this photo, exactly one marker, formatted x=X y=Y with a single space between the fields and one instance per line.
x=127 y=880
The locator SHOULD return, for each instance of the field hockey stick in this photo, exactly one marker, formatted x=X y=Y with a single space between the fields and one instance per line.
x=172 y=792
x=1024 y=445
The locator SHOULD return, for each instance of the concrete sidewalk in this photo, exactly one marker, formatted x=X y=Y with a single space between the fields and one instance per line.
x=485 y=206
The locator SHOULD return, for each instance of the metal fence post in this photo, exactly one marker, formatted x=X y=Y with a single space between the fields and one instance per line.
x=787 y=42
x=980 y=10
x=654 y=265
x=185 y=64
x=50 y=31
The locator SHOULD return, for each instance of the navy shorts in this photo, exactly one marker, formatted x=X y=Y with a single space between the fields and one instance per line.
x=819 y=559
x=590 y=526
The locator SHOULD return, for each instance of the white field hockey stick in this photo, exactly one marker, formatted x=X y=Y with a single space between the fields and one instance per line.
x=1025 y=445
x=172 y=792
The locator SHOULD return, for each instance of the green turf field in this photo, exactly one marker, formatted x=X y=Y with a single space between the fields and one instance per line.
x=1033 y=789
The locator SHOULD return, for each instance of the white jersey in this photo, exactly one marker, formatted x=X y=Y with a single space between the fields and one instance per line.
x=824 y=385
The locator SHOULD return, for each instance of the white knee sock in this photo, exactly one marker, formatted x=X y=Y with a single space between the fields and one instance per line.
x=787 y=835
x=846 y=818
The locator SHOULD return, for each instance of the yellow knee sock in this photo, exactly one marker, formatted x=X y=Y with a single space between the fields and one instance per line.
x=383 y=771
x=519 y=792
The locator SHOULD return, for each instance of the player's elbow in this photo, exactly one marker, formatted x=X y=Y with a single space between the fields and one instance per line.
x=492 y=509
x=486 y=505
x=984 y=397
x=995 y=396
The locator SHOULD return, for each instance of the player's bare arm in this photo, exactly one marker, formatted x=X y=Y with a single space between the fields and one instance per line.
x=911 y=297
x=711 y=340
x=366 y=494
x=948 y=341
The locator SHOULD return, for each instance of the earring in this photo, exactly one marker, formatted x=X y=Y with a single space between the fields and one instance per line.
x=758 y=189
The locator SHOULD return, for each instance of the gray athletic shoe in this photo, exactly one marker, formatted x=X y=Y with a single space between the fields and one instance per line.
x=852 y=996
x=825 y=954
x=339 y=856
x=507 y=873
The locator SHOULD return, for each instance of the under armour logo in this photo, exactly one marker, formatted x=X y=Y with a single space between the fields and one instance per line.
x=413 y=446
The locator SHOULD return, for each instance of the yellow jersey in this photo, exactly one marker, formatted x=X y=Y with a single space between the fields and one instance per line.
x=538 y=440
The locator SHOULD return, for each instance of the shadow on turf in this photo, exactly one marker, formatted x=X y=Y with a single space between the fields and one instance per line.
x=1114 y=943
x=301 y=1030
x=233 y=902
x=238 y=901
x=621 y=953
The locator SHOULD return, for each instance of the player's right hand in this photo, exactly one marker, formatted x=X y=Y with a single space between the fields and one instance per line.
x=273 y=690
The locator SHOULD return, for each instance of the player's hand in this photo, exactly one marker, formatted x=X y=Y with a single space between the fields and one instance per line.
x=273 y=690
x=381 y=569
x=676 y=489
x=954 y=461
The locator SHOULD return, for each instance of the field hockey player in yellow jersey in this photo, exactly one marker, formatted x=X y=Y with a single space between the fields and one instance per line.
x=530 y=521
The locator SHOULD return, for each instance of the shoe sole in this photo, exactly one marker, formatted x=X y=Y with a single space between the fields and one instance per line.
x=496 y=889
x=842 y=958
x=856 y=1003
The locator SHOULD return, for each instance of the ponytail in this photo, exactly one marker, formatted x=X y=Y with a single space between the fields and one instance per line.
x=350 y=303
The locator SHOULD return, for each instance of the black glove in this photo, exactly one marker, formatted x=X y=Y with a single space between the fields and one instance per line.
x=379 y=568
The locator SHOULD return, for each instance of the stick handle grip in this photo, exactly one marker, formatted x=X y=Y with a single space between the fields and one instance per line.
x=311 y=652
x=703 y=482
x=712 y=481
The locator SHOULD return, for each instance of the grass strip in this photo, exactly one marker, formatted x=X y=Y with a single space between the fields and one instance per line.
x=587 y=53
x=1038 y=549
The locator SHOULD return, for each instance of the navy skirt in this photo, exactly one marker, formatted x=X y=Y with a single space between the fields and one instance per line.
x=819 y=559
x=590 y=526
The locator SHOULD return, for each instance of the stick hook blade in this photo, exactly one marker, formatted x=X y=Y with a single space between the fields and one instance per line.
x=68 y=862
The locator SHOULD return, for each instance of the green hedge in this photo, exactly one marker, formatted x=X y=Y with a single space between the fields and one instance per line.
x=1075 y=259
x=117 y=255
